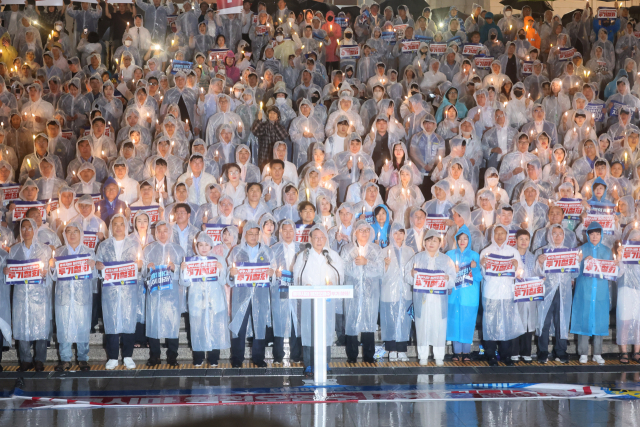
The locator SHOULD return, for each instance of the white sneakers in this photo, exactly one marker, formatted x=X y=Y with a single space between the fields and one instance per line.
x=527 y=358
x=515 y=358
x=584 y=359
x=424 y=362
x=439 y=362
x=598 y=359
x=111 y=364
x=402 y=357
x=129 y=363
x=393 y=356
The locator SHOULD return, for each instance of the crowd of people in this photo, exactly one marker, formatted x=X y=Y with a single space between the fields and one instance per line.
x=408 y=158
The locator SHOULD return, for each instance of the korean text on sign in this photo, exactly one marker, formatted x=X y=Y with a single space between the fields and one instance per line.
x=21 y=208
x=430 y=281
x=153 y=212
x=562 y=261
x=437 y=222
x=529 y=289
x=252 y=274
x=23 y=272
x=572 y=207
x=630 y=252
x=73 y=267
x=302 y=233
x=215 y=232
x=600 y=269
x=499 y=266
x=117 y=273
x=201 y=269
x=607 y=221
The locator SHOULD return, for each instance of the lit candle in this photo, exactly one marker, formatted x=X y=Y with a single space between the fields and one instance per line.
x=308 y=195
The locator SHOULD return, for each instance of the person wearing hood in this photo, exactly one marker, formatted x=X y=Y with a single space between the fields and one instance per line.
x=181 y=95
x=621 y=96
x=174 y=164
x=405 y=195
x=304 y=130
x=590 y=309
x=66 y=208
x=584 y=166
x=368 y=68
x=512 y=167
x=579 y=30
x=626 y=45
x=496 y=78
x=183 y=232
x=84 y=155
x=48 y=184
x=490 y=25
x=427 y=147
x=557 y=163
x=508 y=24
x=277 y=174
x=534 y=176
x=533 y=83
x=441 y=203
x=529 y=213
x=499 y=139
x=539 y=123
x=432 y=78
x=73 y=299
x=121 y=169
x=455 y=33
x=209 y=210
x=31 y=164
x=598 y=200
x=605 y=43
x=465 y=296
x=345 y=104
x=450 y=98
x=110 y=107
x=102 y=146
x=36 y=111
x=110 y=204
x=431 y=309
x=626 y=316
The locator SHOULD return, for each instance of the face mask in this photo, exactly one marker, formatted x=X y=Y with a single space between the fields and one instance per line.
x=413 y=92
x=347 y=36
x=280 y=101
x=518 y=92
x=127 y=43
x=377 y=95
x=279 y=38
x=238 y=93
x=290 y=20
x=521 y=37
x=315 y=98
x=507 y=13
x=492 y=181
x=58 y=28
x=493 y=36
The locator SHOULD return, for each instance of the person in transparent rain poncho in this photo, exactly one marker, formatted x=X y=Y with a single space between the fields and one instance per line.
x=629 y=153
x=119 y=300
x=430 y=309
x=31 y=308
x=461 y=190
x=404 y=195
x=30 y=167
x=440 y=203
x=627 y=323
x=249 y=302
x=163 y=303
x=622 y=96
x=427 y=147
x=556 y=306
x=75 y=106
x=208 y=309
x=73 y=299
x=498 y=140
x=364 y=269
x=512 y=169
x=389 y=174
x=598 y=200
x=501 y=321
x=555 y=218
x=48 y=183
x=285 y=313
x=86 y=180
x=395 y=296
x=304 y=130
x=449 y=127
x=557 y=166
x=369 y=199
x=534 y=175
x=486 y=215
x=530 y=213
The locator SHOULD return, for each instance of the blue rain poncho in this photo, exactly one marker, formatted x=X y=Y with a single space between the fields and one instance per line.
x=590 y=312
x=208 y=313
x=464 y=300
x=119 y=302
x=258 y=297
x=163 y=307
x=395 y=292
x=73 y=298
x=381 y=233
x=361 y=311
x=32 y=303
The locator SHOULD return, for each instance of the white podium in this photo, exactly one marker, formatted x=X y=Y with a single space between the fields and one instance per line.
x=319 y=295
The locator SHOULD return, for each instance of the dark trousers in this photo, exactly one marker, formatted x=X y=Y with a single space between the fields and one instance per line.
x=24 y=349
x=172 y=349
x=295 y=347
x=503 y=347
x=238 y=344
x=340 y=329
x=553 y=315
x=112 y=344
x=96 y=310
x=141 y=335
x=212 y=357
x=396 y=346
x=187 y=327
x=335 y=65
x=368 y=346
x=307 y=355
x=521 y=346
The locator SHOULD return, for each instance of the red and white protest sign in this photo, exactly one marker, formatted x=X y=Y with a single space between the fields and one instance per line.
x=607 y=221
x=23 y=271
x=472 y=49
x=252 y=274
x=153 y=212
x=53 y=204
x=437 y=48
x=302 y=233
x=430 y=281
x=566 y=54
x=73 y=267
x=436 y=222
x=226 y=7
x=254 y=19
x=400 y=28
x=261 y=29
x=572 y=208
x=107 y=131
x=499 y=266
x=119 y=273
x=483 y=62
x=21 y=208
x=600 y=269
x=215 y=232
x=529 y=289
x=10 y=191
x=90 y=239
x=630 y=252
x=511 y=238
x=607 y=13
x=350 y=52
x=410 y=45
x=527 y=67
x=201 y=269
x=562 y=261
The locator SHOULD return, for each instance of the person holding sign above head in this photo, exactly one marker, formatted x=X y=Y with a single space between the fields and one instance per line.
x=31 y=298
x=590 y=311
x=72 y=269
x=252 y=264
x=205 y=275
x=118 y=259
x=432 y=274
x=501 y=322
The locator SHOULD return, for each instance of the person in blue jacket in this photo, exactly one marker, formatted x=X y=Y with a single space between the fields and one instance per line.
x=489 y=24
x=110 y=203
x=612 y=87
x=451 y=98
x=590 y=312
x=611 y=25
x=381 y=225
x=465 y=296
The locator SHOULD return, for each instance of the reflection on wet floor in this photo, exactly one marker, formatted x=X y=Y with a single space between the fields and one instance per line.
x=401 y=414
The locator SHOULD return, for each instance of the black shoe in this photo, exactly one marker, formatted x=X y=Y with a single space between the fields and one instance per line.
x=1 y=368
x=61 y=367
x=38 y=365
x=352 y=361
x=508 y=362
x=236 y=364
x=367 y=360
x=25 y=366
x=84 y=366
x=172 y=362
x=260 y=364
x=493 y=361
x=153 y=362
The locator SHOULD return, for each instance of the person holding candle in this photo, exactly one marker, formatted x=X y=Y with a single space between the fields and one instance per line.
x=626 y=314
x=268 y=133
x=196 y=179
x=85 y=159
x=405 y=195
x=325 y=210
x=289 y=208
x=539 y=124
x=289 y=172
x=31 y=164
x=512 y=169
x=111 y=203
x=48 y=183
x=253 y=207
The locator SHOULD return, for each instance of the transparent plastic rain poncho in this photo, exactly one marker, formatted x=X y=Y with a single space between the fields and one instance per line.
x=226 y=151
x=584 y=165
x=32 y=303
x=395 y=292
x=119 y=302
x=111 y=109
x=163 y=307
x=511 y=161
x=501 y=319
x=299 y=126
x=86 y=187
x=341 y=227
x=353 y=116
x=208 y=309
x=389 y=178
x=75 y=106
x=73 y=300
x=430 y=309
x=207 y=210
x=258 y=297
x=361 y=312
x=285 y=313
x=536 y=213
x=436 y=206
x=48 y=187
x=627 y=315
x=224 y=118
x=426 y=148
x=401 y=199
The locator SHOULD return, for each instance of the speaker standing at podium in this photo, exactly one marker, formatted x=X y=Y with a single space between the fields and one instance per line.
x=317 y=266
